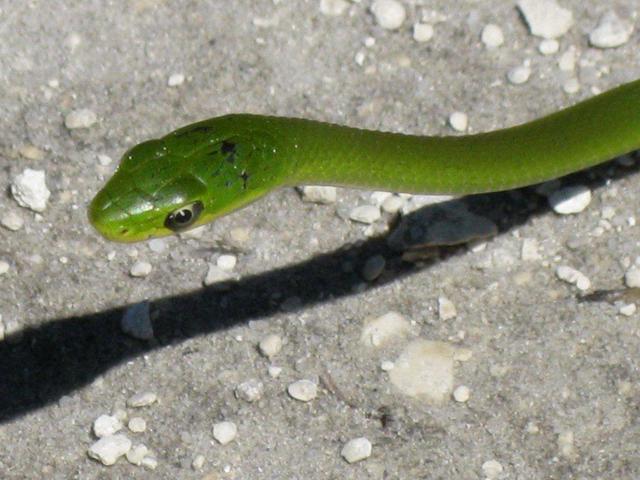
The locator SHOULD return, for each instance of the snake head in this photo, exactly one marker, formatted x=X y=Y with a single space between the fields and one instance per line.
x=183 y=180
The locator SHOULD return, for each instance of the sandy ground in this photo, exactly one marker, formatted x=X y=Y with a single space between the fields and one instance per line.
x=554 y=383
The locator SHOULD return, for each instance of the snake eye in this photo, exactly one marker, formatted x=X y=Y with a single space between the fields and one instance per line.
x=183 y=217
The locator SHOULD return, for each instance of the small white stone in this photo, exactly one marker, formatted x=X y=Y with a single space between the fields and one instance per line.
x=142 y=399
x=175 y=80
x=571 y=85
x=611 y=31
x=250 y=391
x=137 y=454
x=628 y=310
x=461 y=394
x=319 y=194
x=569 y=200
x=459 y=121
x=387 y=365
x=198 y=462
x=529 y=252
x=446 y=309
x=492 y=36
x=12 y=221
x=104 y=160
x=136 y=321
x=4 y=267
x=274 y=371
x=106 y=425
x=109 y=449
x=149 y=462
x=140 y=269
x=303 y=390
x=30 y=190
x=549 y=46
x=632 y=277
x=373 y=268
x=567 y=61
x=379 y=330
x=31 y=152
x=157 y=245
x=270 y=345
x=393 y=204
x=423 y=32
x=215 y=274
x=492 y=469
x=224 y=432
x=424 y=370
x=227 y=262
x=389 y=14
x=137 y=425
x=573 y=276
x=546 y=18
x=356 y=449
x=365 y=214
x=333 y=8
x=565 y=444
x=81 y=118
x=519 y=74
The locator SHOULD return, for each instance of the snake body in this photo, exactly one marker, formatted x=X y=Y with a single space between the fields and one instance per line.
x=210 y=168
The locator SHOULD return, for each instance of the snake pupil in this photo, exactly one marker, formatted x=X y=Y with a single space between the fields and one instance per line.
x=183 y=217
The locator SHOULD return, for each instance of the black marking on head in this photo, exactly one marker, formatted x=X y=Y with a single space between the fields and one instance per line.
x=245 y=177
x=228 y=147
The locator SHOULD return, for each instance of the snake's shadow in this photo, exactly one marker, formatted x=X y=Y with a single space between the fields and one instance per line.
x=46 y=362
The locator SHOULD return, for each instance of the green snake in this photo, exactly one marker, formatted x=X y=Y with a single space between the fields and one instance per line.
x=210 y=168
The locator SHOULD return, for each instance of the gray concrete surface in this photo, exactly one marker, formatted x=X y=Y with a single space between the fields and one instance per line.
x=554 y=383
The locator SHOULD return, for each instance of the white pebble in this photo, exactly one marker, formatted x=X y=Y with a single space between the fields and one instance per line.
x=569 y=200
x=379 y=330
x=632 y=277
x=392 y=204
x=333 y=8
x=373 y=268
x=198 y=462
x=611 y=31
x=423 y=32
x=387 y=365
x=104 y=160
x=224 y=432
x=319 y=194
x=571 y=85
x=109 y=449
x=136 y=321
x=137 y=425
x=140 y=269
x=215 y=274
x=81 y=118
x=549 y=46
x=250 y=391
x=270 y=345
x=303 y=390
x=459 y=121
x=446 y=309
x=567 y=61
x=492 y=36
x=573 y=276
x=424 y=369
x=12 y=221
x=628 y=310
x=137 y=454
x=529 y=252
x=389 y=14
x=461 y=394
x=4 y=267
x=142 y=399
x=227 y=262
x=365 y=214
x=175 y=80
x=519 y=75
x=356 y=449
x=492 y=469
x=30 y=190
x=149 y=462
x=157 y=245
x=106 y=425
x=546 y=18
x=565 y=444
x=274 y=371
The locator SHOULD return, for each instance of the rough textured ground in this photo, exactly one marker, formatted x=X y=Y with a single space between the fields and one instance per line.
x=554 y=383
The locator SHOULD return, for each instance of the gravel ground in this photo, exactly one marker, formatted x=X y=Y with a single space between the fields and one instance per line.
x=516 y=377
